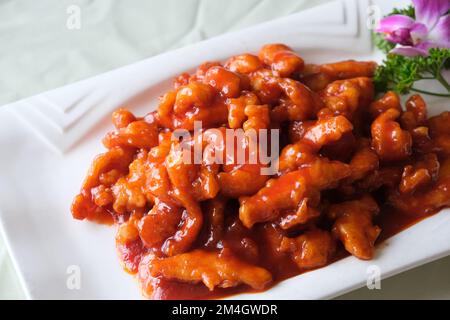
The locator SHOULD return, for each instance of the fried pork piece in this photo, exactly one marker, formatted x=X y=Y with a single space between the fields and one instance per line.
x=159 y=224
x=121 y=118
x=302 y=215
x=422 y=142
x=390 y=142
x=195 y=101
x=435 y=197
x=420 y=174
x=348 y=69
x=440 y=133
x=345 y=97
x=439 y=124
x=433 y=136
x=364 y=161
x=353 y=225
x=228 y=83
x=300 y=103
x=236 y=108
x=295 y=155
x=96 y=189
x=200 y=73
x=415 y=114
x=137 y=134
x=312 y=249
x=364 y=165
x=130 y=191
x=313 y=78
x=241 y=180
x=317 y=77
x=287 y=191
x=214 y=269
x=326 y=131
x=390 y=100
x=311 y=137
x=282 y=59
x=244 y=63
x=242 y=169
x=190 y=183
x=265 y=85
x=197 y=180
x=248 y=113
x=148 y=179
x=257 y=117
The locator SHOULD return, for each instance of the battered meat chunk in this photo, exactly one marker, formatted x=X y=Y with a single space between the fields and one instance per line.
x=312 y=249
x=353 y=225
x=286 y=192
x=389 y=140
x=212 y=268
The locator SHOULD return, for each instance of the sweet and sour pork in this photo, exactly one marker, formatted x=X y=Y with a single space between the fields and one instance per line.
x=345 y=162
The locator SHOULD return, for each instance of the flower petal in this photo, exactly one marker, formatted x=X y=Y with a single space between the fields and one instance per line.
x=418 y=32
x=422 y=49
x=409 y=51
x=427 y=45
x=441 y=32
x=401 y=36
x=394 y=22
x=428 y=12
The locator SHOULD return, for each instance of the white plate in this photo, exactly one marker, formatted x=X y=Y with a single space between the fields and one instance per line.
x=48 y=141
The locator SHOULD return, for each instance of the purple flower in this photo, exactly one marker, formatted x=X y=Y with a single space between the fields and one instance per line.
x=431 y=29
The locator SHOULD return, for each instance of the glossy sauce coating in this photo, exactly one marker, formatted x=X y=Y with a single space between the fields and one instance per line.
x=353 y=170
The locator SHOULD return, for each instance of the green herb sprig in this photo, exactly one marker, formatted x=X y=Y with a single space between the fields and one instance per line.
x=399 y=73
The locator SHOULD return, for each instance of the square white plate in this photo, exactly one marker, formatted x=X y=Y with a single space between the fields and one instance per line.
x=48 y=141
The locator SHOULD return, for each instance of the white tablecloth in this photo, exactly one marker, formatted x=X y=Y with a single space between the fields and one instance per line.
x=39 y=52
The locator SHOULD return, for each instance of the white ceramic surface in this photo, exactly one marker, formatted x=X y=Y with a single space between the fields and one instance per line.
x=48 y=141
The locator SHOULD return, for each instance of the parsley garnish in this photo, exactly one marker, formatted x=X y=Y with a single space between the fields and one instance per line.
x=399 y=73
